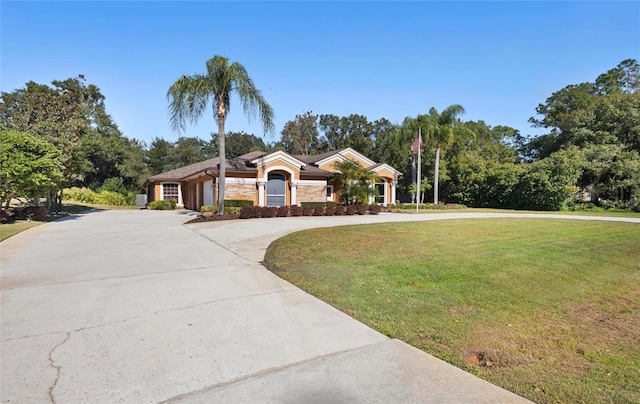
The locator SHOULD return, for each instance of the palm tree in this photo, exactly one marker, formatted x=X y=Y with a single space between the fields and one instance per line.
x=189 y=97
x=442 y=128
x=424 y=187
x=354 y=181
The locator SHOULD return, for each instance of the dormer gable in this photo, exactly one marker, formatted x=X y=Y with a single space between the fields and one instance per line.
x=342 y=155
x=278 y=156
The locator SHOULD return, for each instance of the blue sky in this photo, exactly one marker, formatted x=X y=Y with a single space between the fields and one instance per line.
x=379 y=59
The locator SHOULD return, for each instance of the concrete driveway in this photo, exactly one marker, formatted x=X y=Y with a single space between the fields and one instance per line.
x=135 y=307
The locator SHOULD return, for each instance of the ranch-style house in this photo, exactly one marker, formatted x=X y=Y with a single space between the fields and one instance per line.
x=269 y=179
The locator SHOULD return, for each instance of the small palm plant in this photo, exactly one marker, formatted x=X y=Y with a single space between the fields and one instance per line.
x=355 y=182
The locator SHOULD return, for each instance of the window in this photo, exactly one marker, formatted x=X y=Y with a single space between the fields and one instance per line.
x=381 y=187
x=276 y=190
x=170 y=191
x=329 y=193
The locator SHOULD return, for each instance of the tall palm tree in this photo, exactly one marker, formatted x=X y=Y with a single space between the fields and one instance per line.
x=442 y=128
x=189 y=97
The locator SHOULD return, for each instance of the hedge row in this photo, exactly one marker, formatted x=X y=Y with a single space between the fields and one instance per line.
x=102 y=197
x=249 y=212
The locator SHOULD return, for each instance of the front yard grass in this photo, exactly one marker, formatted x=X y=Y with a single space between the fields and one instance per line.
x=548 y=309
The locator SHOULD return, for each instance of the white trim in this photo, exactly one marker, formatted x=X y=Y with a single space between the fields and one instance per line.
x=241 y=181
x=294 y=194
x=384 y=196
x=342 y=156
x=278 y=155
x=276 y=168
x=261 y=188
x=179 y=202
x=388 y=167
x=330 y=197
x=312 y=182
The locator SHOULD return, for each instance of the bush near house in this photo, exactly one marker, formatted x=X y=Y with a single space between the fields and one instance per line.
x=162 y=205
x=252 y=212
x=283 y=211
x=237 y=203
x=361 y=209
x=374 y=209
x=314 y=204
x=208 y=208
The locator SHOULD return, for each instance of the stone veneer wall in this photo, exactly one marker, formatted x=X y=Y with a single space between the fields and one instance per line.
x=311 y=193
x=240 y=191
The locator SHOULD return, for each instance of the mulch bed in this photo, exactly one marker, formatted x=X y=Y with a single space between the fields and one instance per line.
x=214 y=218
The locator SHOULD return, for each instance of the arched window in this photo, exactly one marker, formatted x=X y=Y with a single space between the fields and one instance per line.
x=276 y=190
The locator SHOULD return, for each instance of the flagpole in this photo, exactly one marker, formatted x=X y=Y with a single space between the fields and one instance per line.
x=419 y=179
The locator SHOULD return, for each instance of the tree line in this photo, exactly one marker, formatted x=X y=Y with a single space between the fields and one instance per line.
x=60 y=135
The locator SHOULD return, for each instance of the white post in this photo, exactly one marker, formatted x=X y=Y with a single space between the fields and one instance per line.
x=261 y=185
x=393 y=192
x=294 y=194
x=419 y=179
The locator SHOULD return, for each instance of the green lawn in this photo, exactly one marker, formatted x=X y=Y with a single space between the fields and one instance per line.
x=8 y=230
x=548 y=309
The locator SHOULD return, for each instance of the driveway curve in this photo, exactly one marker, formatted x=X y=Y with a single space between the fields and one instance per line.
x=136 y=307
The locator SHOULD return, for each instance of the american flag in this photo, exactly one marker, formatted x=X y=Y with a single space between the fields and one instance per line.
x=417 y=143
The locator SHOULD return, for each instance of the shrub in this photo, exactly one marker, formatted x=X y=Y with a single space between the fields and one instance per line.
x=296 y=210
x=361 y=209
x=374 y=209
x=208 y=208
x=283 y=211
x=318 y=210
x=36 y=212
x=103 y=197
x=268 y=211
x=85 y=195
x=340 y=209
x=246 y=212
x=114 y=199
x=314 y=204
x=330 y=211
x=162 y=205
x=350 y=210
x=237 y=203
x=306 y=210
x=7 y=215
x=233 y=210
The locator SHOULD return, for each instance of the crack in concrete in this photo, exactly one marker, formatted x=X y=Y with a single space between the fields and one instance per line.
x=56 y=367
x=155 y=313
x=120 y=277
x=263 y=373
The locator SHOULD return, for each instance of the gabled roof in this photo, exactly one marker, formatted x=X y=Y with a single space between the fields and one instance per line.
x=382 y=166
x=278 y=155
x=236 y=164
x=341 y=155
